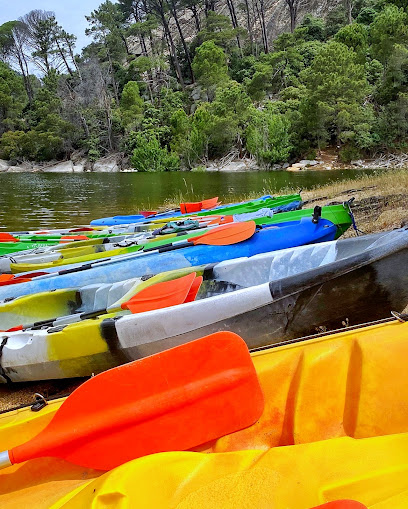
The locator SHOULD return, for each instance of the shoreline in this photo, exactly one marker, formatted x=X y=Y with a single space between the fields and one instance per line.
x=117 y=162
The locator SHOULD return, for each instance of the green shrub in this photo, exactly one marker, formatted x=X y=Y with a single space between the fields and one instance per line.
x=349 y=153
x=199 y=169
x=32 y=145
x=150 y=156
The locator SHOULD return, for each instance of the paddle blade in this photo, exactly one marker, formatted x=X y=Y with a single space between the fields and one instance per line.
x=7 y=237
x=174 y=400
x=222 y=220
x=6 y=277
x=71 y=238
x=161 y=295
x=210 y=203
x=192 y=294
x=10 y=279
x=148 y=213
x=226 y=235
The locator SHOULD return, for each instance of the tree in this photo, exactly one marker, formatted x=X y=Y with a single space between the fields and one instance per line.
x=218 y=29
x=293 y=6
x=390 y=27
x=40 y=27
x=131 y=105
x=354 y=36
x=348 y=4
x=148 y=155
x=210 y=66
x=230 y=111
x=313 y=29
x=13 y=46
x=267 y=137
x=108 y=24
x=12 y=98
x=160 y=9
x=336 y=87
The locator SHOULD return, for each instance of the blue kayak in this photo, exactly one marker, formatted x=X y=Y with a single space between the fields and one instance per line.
x=136 y=218
x=270 y=238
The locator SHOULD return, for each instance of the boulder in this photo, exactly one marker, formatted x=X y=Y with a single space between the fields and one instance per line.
x=308 y=162
x=4 y=165
x=299 y=165
x=64 y=167
x=235 y=166
x=294 y=168
x=107 y=164
x=196 y=93
x=359 y=163
x=17 y=169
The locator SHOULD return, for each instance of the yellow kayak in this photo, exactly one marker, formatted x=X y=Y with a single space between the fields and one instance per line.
x=351 y=384
x=373 y=471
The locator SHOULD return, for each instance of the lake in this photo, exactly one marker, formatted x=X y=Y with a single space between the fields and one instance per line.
x=39 y=200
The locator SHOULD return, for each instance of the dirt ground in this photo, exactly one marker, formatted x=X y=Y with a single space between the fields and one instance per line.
x=380 y=203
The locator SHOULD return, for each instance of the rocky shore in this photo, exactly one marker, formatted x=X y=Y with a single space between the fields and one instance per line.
x=327 y=160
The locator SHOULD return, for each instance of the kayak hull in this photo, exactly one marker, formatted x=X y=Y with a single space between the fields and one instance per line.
x=348 y=281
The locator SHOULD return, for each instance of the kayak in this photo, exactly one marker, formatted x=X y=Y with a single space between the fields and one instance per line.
x=265 y=299
x=279 y=204
x=279 y=236
x=75 y=304
x=233 y=208
x=338 y=214
x=295 y=477
x=345 y=388
x=93 y=249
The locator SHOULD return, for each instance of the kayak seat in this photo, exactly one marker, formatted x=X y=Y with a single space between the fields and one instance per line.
x=118 y=290
x=88 y=297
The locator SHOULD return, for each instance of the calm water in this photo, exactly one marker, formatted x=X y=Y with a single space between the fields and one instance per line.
x=38 y=200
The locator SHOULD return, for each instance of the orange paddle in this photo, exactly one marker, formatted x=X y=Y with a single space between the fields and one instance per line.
x=174 y=400
x=161 y=295
x=7 y=237
x=224 y=235
x=192 y=294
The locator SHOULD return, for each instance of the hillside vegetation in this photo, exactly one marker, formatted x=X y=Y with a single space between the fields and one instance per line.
x=175 y=83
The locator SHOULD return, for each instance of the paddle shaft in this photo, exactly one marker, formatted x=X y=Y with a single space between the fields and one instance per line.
x=5 y=459
x=106 y=261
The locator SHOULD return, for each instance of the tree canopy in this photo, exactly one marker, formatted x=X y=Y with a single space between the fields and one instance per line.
x=174 y=83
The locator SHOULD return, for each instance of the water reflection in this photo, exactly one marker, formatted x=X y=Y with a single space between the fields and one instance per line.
x=39 y=200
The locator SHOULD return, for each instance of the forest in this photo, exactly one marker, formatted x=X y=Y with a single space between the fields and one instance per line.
x=174 y=84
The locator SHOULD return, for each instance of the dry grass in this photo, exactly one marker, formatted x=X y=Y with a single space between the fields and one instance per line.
x=380 y=200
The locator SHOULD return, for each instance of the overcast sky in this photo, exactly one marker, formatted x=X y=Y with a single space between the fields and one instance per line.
x=69 y=13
